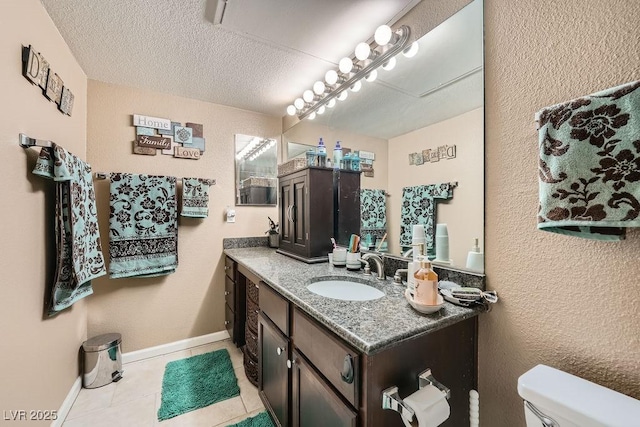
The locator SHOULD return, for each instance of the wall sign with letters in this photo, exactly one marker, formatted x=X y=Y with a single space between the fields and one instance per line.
x=443 y=152
x=37 y=70
x=171 y=138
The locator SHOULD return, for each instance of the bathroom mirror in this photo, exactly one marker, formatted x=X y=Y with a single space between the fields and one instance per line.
x=432 y=100
x=256 y=170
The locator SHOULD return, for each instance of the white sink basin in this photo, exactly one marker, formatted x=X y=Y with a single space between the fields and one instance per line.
x=345 y=290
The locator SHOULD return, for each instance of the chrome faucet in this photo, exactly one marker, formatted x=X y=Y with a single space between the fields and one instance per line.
x=379 y=264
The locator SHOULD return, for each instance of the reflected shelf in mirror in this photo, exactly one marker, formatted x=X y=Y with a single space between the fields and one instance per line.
x=256 y=165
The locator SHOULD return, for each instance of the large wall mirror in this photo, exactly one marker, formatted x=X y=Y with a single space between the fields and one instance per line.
x=432 y=100
x=256 y=170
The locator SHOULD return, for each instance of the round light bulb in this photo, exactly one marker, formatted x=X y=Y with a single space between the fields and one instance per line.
x=356 y=86
x=382 y=36
x=411 y=51
x=299 y=103
x=343 y=95
x=318 y=87
x=291 y=110
x=321 y=109
x=307 y=95
x=363 y=50
x=372 y=76
x=390 y=64
x=345 y=65
x=312 y=116
x=331 y=103
x=331 y=77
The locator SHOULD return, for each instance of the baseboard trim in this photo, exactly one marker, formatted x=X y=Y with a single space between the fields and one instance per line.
x=159 y=350
x=68 y=402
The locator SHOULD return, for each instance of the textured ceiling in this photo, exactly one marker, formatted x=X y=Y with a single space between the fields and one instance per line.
x=262 y=56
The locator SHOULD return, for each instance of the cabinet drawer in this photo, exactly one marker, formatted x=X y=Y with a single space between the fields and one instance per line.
x=339 y=363
x=229 y=292
x=230 y=268
x=275 y=307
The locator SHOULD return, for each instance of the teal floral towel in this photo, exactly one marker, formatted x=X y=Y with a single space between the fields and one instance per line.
x=195 y=197
x=143 y=226
x=373 y=213
x=79 y=258
x=419 y=207
x=589 y=166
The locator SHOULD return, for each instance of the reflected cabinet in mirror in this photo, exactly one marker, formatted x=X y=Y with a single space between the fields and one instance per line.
x=421 y=127
x=256 y=170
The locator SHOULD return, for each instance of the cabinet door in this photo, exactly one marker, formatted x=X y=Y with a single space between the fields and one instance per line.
x=274 y=379
x=314 y=401
x=300 y=214
x=229 y=322
x=286 y=220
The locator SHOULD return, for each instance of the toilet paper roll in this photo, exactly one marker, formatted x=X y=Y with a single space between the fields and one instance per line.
x=430 y=406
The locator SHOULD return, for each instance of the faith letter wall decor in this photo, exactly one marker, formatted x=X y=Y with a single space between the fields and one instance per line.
x=37 y=70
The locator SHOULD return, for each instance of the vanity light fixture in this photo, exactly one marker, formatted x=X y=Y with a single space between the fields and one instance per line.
x=337 y=83
x=255 y=148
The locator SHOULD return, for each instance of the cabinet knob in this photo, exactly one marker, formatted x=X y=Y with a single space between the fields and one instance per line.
x=290 y=363
x=226 y=293
x=226 y=267
x=226 y=322
x=347 y=369
x=279 y=350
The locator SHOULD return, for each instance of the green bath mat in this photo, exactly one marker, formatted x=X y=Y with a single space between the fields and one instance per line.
x=260 y=420
x=196 y=382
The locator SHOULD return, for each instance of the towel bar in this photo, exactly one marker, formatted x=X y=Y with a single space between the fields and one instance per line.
x=106 y=175
x=26 y=142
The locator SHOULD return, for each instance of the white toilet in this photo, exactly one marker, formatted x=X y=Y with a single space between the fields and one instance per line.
x=554 y=398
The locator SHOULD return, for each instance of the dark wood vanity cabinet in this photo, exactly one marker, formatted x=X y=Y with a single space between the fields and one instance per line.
x=315 y=205
x=293 y=388
x=234 y=318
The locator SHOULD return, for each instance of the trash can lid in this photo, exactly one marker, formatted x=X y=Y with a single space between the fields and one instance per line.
x=102 y=342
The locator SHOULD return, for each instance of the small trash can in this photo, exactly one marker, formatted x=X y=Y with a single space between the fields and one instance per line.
x=102 y=360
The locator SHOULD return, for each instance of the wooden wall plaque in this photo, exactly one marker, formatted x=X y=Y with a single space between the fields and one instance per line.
x=153 y=141
x=186 y=153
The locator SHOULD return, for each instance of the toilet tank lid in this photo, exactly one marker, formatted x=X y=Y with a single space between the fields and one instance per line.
x=579 y=400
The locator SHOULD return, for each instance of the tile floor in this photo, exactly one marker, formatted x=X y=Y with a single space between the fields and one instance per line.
x=134 y=400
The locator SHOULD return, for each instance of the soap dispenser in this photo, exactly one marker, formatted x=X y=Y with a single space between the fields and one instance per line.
x=426 y=284
x=475 y=258
x=413 y=266
x=321 y=152
x=337 y=156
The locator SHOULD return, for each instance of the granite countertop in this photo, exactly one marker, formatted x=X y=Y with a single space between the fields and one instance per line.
x=369 y=326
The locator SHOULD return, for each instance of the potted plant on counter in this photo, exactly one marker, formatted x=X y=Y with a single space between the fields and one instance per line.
x=273 y=234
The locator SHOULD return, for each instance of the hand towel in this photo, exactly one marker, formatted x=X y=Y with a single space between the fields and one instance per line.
x=373 y=213
x=79 y=252
x=589 y=165
x=419 y=207
x=143 y=226
x=195 y=197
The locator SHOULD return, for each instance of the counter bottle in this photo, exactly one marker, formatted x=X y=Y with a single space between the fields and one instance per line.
x=426 y=283
x=337 y=156
x=321 y=152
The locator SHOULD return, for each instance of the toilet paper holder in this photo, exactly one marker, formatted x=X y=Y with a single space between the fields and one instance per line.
x=391 y=399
